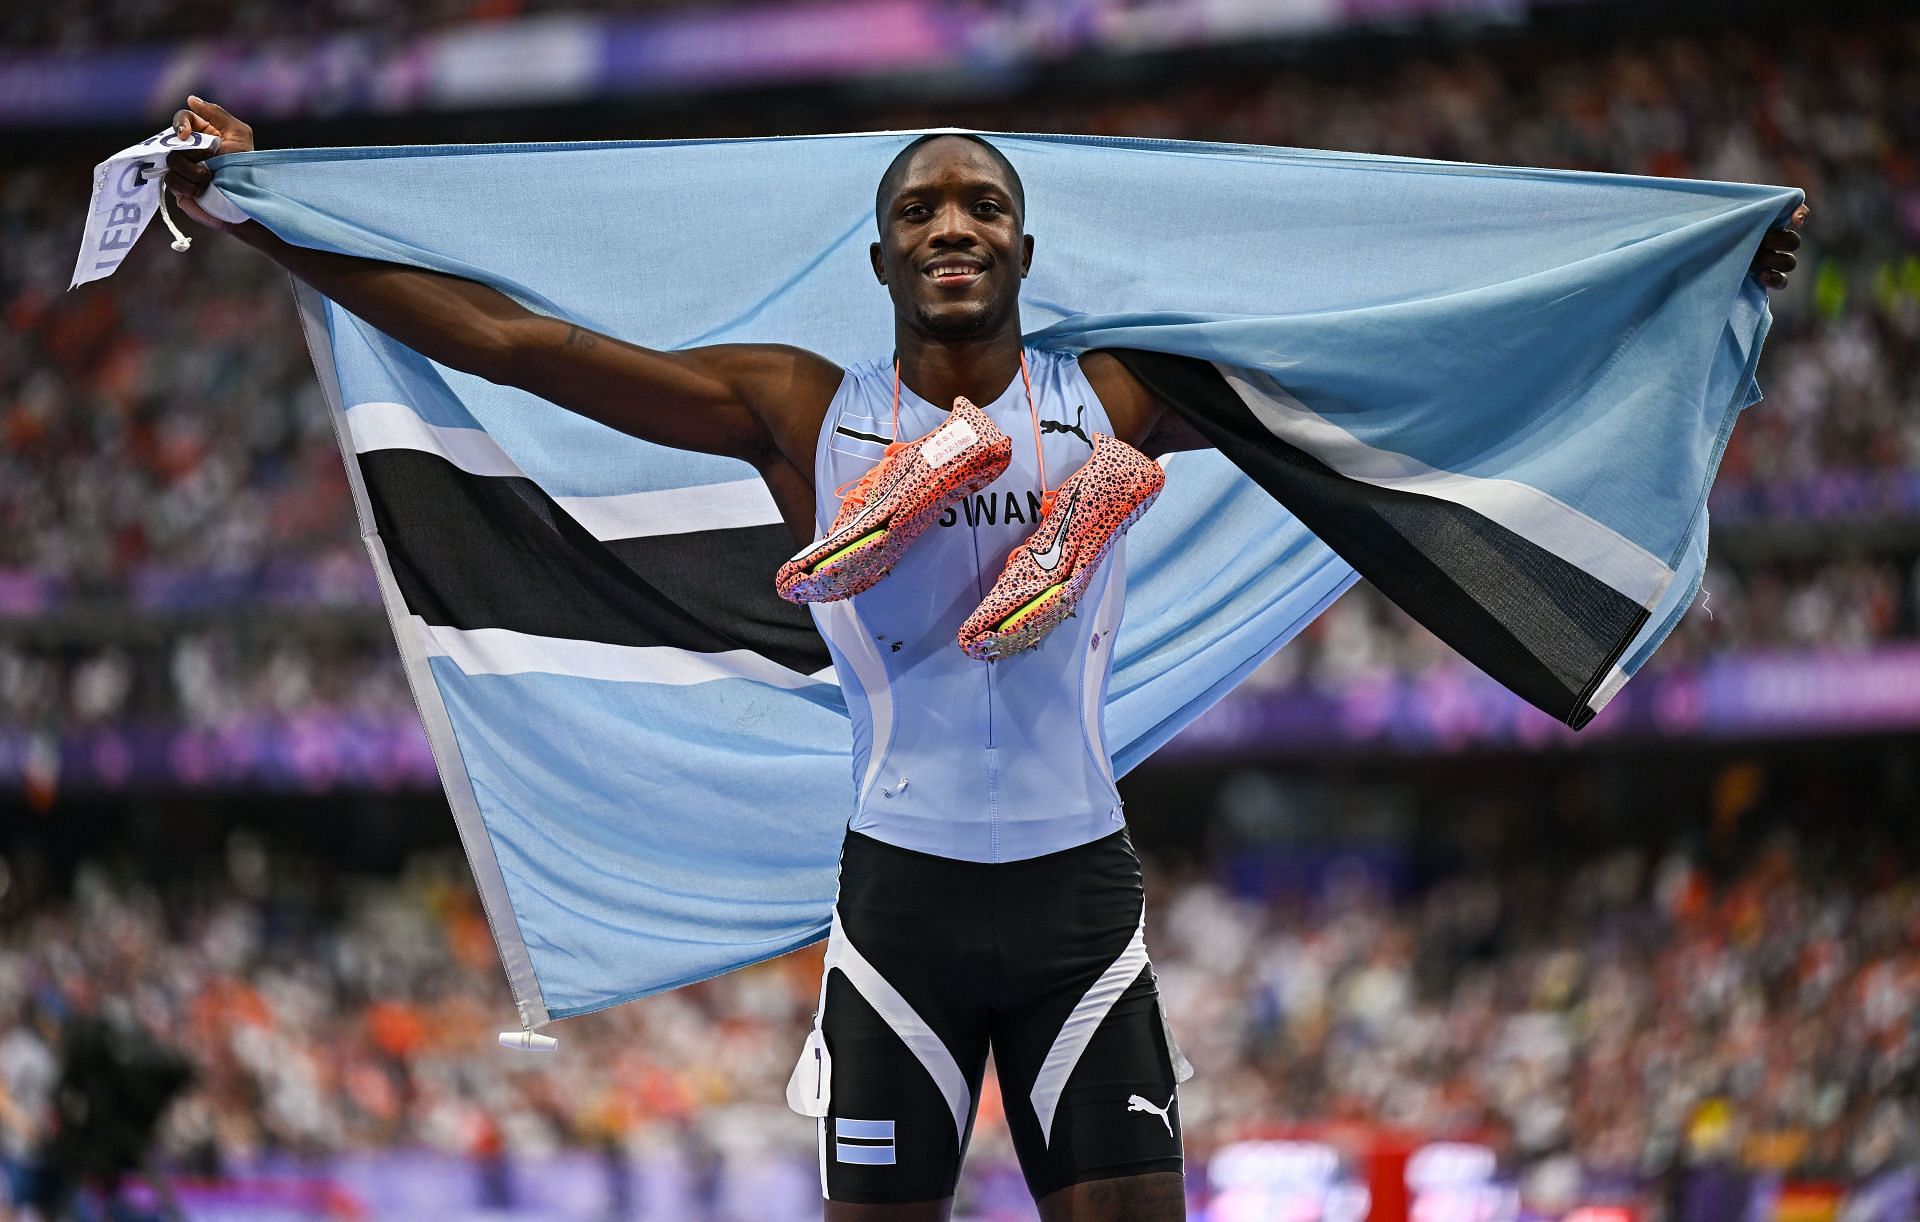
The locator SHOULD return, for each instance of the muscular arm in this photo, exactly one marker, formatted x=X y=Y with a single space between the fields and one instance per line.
x=758 y=402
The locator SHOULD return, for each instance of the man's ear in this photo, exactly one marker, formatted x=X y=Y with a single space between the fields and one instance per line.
x=1026 y=255
x=879 y=267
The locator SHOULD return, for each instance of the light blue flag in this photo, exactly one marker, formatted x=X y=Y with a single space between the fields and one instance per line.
x=1500 y=394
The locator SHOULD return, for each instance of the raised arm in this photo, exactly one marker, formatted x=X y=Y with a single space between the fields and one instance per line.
x=758 y=402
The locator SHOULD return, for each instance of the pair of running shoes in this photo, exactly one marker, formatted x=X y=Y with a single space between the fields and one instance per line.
x=913 y=484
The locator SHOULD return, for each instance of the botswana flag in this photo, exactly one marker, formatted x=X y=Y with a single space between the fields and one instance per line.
x=1500 y=394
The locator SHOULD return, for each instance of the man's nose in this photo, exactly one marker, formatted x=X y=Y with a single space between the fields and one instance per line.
x=953 y=226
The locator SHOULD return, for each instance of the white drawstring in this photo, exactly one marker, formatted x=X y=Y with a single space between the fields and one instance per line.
x=181 y=242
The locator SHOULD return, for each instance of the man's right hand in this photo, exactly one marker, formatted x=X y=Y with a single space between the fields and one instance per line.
x=186 y=176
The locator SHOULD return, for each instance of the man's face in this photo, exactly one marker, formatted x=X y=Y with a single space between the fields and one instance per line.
x=952 y=245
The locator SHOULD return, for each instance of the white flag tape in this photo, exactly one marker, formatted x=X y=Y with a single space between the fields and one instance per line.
x=126 y=195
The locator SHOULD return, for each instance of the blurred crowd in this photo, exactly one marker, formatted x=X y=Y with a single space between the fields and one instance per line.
x=206 y=679
x=1838 y=603
x=169 y=417
x=1627 y=1018
x=1635 y=1016
x=92 y=25
x=162 y=431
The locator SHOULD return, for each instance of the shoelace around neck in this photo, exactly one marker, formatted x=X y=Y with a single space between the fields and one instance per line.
x=856 y=490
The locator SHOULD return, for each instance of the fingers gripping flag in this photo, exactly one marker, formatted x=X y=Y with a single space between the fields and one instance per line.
x=1499 y=394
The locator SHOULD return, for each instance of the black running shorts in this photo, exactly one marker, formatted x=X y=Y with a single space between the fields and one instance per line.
x=931 y=962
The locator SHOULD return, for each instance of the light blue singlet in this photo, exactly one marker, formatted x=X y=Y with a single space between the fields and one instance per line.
x=972 y=760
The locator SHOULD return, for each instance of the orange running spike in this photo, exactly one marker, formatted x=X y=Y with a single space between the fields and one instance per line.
x=1045 y=576
x=893 y=503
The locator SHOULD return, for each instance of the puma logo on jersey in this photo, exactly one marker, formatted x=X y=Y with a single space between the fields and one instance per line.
x=1078 y=428
x=1136 y=1104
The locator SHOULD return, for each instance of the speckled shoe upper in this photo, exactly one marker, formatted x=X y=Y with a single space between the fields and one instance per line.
x=1045 y=576
x=890 y=505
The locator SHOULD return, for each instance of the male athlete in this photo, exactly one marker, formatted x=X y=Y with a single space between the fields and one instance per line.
x=989 y=896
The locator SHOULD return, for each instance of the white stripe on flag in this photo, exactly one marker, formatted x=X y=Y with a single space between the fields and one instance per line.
x=676 y=511
x=501 y=651
x=1534 y=515
x=395 y=426
x=631 y=515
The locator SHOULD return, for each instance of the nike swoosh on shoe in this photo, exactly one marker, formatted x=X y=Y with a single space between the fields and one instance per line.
x=901 y=471
x=1049 y=560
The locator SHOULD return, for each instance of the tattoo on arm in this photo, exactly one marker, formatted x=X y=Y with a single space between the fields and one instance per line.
x=577 y=338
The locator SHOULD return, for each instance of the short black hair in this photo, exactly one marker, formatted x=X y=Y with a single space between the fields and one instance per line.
x=883 y=194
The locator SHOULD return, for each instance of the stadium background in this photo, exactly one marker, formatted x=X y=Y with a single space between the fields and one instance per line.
x=1433 y=955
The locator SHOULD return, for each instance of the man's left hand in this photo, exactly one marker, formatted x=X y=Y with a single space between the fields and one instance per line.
x=1775 y=260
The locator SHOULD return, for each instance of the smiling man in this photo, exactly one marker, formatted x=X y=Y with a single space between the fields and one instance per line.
x=989 y=897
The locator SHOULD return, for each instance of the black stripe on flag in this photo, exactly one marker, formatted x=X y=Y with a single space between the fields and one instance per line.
x=1546 y=629
x=487 y=551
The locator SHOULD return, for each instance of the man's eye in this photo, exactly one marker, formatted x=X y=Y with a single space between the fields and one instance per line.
x=914 y=211
x=988 y=206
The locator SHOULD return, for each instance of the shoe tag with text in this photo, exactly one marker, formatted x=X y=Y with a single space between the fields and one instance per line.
x=948 y=442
